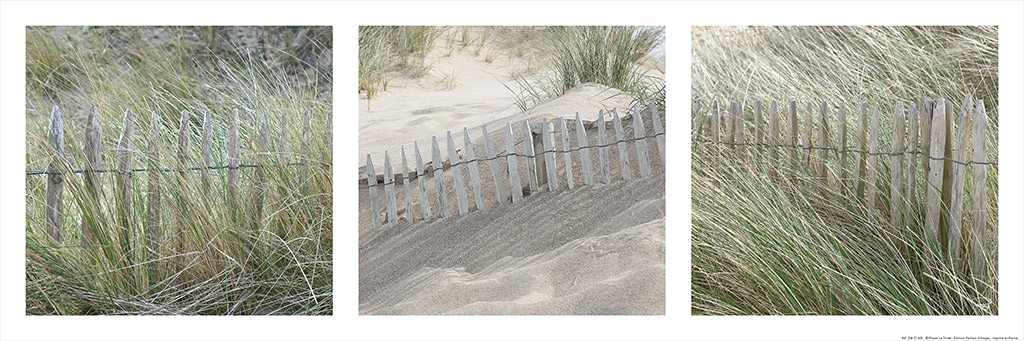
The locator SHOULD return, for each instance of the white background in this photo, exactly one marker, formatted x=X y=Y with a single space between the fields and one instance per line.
x=345 y=17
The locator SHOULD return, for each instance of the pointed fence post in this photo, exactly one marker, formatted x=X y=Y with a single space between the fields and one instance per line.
x=474 y=170
x=233 y=163
x=531 y=158
x=844 y=172
x=406 y=179
x=511 y=157
x=935 y=172
x=94 y=164
x=872 y=179
x=925 y=108
x=758 y=126
x=584 y=145
x=912 y=148
x=55 y=178
x=620 y=141
x=791 y=134
x=659 y=130
x=730 y=126
x=549 y=155
x=442 y=196
x=603 y=147
x=124 y=183
x=460 y=182
x=421 y=175
x=641 y=143
x=371 y=184
x=566 y=153
x=259 y=175
x=808 y=131
x=154 y=234
x=184 y=130
x=494 y=164
x=389 y=191
x=774 y=139
x=739 y=126
x=956 y=203
x=896 y=167
x=862 y=149
x=979 y=197
x=822 y=142
x=207 y=158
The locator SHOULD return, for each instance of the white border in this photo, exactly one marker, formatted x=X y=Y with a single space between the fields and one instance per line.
x=346 y=16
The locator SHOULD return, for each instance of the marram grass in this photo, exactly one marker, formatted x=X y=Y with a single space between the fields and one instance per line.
x=215 y=258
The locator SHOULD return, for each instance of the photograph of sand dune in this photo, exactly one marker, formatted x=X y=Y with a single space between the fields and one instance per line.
x=845 y=170
x=511 y=170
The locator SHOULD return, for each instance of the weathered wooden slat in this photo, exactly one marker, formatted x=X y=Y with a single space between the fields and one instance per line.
x=154 y=234
x=584 y=145
x=896 y=167
x=55 y=178
x=511 y=158
x=566 y=153
x=739 y=126
x=184 y=130
x=956 y=203
x=925 y=107
x=935 y=172
x=808 y=131
x=603 y=147
x=124 y=179
x=549 y=155
x=716 y=125
x=791 y=135
x=823 y=145
x=259 y=174
x=659 y=131
x=844 y=172
x=627 y=172
x=698 y=124
x=758 y=125
x=460 y=182
x=912 y=147
x=474 y=170
x=862 y=147
x=872 y=178
x=421 y=175
x=389 y=191
x=206 y=146
x=531 y=157
x=730 y=129
x=372 y=184
x=403 y=175
x=495 y=166
x=773 y=132
x=233 y=162
x=442 y=206
x=979 y=195
x=93 y=163
x=306 y=157
x=540 y=158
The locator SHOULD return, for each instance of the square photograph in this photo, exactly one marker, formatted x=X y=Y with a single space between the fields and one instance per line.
x=178 y=170
x=511 y=170
x=845 y=170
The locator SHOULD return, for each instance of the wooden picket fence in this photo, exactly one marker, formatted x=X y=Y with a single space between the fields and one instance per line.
x=60 y=167
x=926 y=143
x=542 y=166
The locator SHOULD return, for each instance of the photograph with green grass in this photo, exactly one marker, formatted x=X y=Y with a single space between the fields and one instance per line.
x=178 y=170
x=511 y=170
x=845 y=170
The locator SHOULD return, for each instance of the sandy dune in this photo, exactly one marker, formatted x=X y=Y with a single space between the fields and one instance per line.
x=593 y=250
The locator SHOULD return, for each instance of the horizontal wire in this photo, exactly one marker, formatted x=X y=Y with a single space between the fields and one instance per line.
x=837 y=150
x=506 y=154
x=133 y=170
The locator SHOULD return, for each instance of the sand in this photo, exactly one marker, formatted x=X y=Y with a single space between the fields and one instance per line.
x=593 y=250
